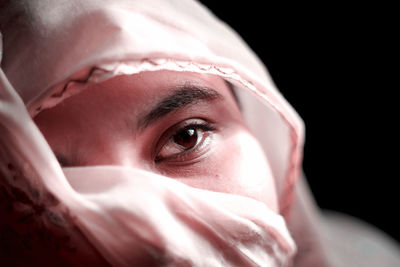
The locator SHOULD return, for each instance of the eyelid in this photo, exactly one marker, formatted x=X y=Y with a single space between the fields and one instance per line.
x=180 y=98
x=197 y=123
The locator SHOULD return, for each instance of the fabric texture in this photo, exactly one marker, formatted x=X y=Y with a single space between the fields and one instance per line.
x=54 y=49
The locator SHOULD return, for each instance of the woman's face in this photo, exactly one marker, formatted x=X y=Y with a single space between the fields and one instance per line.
x=182 y=125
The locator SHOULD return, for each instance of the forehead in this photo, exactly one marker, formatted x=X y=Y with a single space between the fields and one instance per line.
x=152 y=84
x=144 y=87
x=127 y=94
x=141 y=91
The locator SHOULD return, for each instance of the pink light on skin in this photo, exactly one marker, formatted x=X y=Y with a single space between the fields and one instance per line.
x=203 y=142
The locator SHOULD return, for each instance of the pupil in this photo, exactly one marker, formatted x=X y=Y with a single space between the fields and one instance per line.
x=186 y=138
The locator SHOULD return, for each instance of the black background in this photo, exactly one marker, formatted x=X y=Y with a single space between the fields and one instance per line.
x=333 y=64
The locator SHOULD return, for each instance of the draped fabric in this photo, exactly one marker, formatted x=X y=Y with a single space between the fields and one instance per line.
x=52 y=50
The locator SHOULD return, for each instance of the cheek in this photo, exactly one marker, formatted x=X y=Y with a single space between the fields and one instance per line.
x=237 y=166
x=246 y=169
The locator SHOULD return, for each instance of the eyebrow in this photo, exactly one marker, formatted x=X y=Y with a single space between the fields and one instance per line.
x=182 y=96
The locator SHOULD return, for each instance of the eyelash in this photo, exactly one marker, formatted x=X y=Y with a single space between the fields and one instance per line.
x=192 y=153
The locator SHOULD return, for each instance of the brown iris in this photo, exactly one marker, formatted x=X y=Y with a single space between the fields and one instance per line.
x=187 y=138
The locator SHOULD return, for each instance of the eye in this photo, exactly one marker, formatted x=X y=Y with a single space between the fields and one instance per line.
x=187 y=138
x=185 y=141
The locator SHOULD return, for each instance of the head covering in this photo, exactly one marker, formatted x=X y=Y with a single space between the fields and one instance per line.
x=94 y=40
x=55 y=49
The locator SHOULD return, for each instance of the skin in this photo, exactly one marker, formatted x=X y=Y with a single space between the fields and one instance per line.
x=104 y=125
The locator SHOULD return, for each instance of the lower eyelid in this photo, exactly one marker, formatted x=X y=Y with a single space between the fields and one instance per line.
x=187 y=157
x=198 y=123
